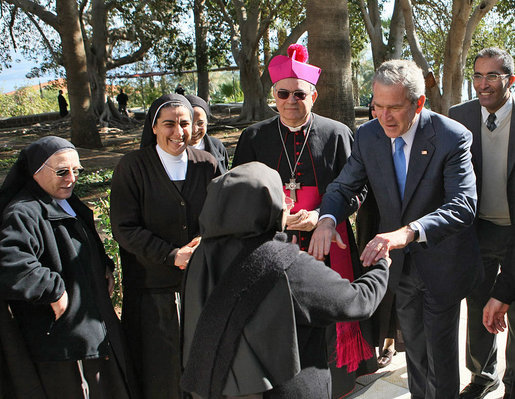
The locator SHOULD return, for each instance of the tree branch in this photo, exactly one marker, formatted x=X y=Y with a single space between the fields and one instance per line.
x=294 y=35
x=129 y=59
x=479 y=12
x=33 y=8
x=11 y=25
x=47 y=43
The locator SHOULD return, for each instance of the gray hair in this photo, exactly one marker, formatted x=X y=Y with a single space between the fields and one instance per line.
x=495 y=52
x=403 y=72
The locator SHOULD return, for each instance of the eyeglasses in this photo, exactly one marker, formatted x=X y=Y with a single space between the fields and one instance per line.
x=490 y=77
x=289 y=203
x=66 y=171
x=284 y=94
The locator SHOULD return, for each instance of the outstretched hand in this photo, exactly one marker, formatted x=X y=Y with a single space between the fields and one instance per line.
x=323 y=236
x=380 y=246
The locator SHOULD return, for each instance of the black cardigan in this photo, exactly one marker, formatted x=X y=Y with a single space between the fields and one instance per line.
x=150 y=217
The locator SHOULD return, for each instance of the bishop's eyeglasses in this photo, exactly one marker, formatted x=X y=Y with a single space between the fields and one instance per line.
x=284 y=94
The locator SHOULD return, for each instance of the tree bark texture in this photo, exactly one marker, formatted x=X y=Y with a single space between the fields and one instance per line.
x=329 y=48
x=84 y=129
x=201 y=55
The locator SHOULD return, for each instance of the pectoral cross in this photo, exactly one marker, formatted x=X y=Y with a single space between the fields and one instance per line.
x=293 y=186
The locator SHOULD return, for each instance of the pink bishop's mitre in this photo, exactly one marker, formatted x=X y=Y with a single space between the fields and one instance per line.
x=293 y=66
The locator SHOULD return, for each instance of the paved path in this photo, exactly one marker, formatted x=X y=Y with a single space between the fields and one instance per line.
x=391 y=382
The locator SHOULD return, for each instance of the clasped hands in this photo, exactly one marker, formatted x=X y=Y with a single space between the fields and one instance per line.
x=379 y=247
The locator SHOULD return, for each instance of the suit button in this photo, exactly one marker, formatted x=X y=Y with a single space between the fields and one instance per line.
x=183 y=203
x=184 y=227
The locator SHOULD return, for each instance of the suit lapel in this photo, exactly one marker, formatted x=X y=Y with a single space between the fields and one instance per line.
x=511 y=144
x=476 y=149
x=421 y=154
x=385 y=168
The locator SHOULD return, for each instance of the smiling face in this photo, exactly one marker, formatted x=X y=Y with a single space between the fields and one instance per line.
x=395 y=112
x=58 y=187
x=492 y=95
x=173 y=129
x=199 y=125
x=294 y=112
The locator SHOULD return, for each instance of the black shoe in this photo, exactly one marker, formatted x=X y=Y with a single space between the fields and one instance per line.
x=386 y=358
x=478 y=391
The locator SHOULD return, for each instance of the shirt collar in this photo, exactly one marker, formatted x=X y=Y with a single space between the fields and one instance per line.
x=409 y=136
x=296 y=129
x=501 y=113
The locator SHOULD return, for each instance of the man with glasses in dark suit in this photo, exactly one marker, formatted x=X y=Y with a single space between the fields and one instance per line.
x=491 y=119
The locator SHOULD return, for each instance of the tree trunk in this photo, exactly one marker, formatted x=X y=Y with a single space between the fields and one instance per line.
x=84 y=129
x=255 y=107
x=97 y=55
x=201 y=56
x=329 y=48
x=374 y=25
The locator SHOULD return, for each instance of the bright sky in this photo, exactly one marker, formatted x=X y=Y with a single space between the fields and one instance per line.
x=14 y=77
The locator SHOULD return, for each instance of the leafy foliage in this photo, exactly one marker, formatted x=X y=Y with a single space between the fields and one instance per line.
x=111 y=246
x=28 y=101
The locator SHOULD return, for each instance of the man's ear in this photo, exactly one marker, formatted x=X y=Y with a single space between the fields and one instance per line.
x=420 y=103
x=314 y=96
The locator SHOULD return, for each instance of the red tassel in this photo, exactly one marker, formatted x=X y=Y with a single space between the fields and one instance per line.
x=351 y=347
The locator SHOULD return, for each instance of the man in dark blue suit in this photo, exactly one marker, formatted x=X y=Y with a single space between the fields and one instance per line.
x=418 y=164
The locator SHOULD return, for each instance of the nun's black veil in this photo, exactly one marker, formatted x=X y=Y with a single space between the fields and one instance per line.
x=31 y=158
x=148 y=137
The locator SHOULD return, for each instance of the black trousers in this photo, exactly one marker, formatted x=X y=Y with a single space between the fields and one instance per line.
x=430 y=331
x=150 y=323
x=481 y=353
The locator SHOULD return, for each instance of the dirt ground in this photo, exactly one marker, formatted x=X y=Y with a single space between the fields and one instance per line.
x=116 y=141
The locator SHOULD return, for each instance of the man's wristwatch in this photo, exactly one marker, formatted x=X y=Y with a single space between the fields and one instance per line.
x=415 y=230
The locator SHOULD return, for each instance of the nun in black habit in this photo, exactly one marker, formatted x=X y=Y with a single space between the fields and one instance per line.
x=157 y=194
x=255 y=307
x=199 y=137
x=60 y=336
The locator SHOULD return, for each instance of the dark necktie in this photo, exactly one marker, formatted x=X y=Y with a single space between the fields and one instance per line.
x=490 y=122
x=399 y=161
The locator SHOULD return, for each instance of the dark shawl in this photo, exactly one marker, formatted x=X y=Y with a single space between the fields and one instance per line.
x=148 y=137
x=231 y=272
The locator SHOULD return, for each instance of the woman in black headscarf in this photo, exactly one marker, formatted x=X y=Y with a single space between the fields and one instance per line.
x=157 y=194
x=56 y=277
x=200 y=139
x=255 y=307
